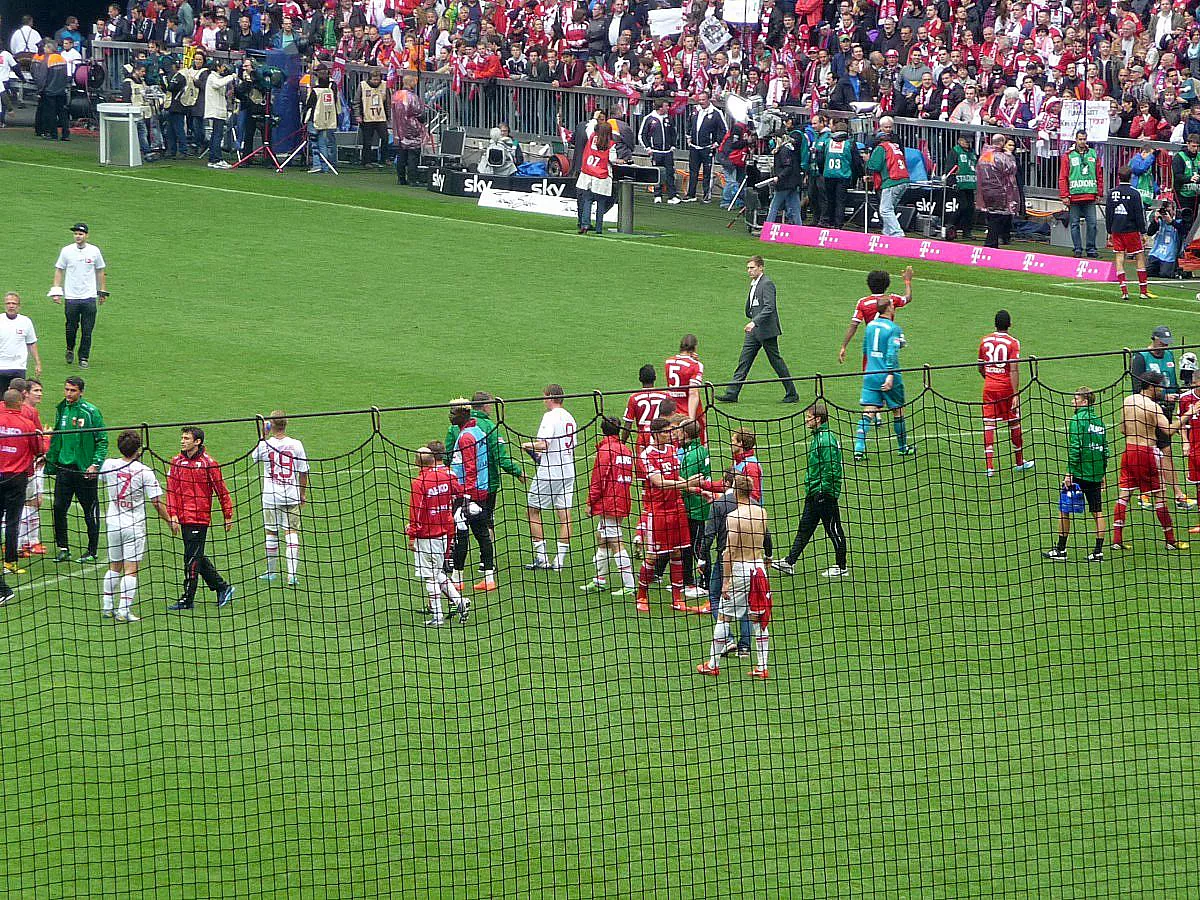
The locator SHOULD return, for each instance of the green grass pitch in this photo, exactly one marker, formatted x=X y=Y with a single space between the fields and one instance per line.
x=957 y=719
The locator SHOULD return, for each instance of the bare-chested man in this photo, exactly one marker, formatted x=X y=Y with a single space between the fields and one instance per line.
x=745 y=584
x=1144 y=426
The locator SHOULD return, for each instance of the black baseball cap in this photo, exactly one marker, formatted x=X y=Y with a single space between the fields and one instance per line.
x=1162 y=333
x=80 y=226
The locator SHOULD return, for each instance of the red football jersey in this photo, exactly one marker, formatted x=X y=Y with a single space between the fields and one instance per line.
x=868 y=307
x=642 y=409
x=662 y=461
x=684 y=374
x=1189 y=401
x=997 y=352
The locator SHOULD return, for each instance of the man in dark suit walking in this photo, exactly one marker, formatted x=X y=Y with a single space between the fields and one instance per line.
x=762 y=333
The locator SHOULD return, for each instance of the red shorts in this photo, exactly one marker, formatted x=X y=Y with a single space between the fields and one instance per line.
x=1193 y=475
x=667 y=529
x=1128 y=242
x=1139 y=469
x=998 y=404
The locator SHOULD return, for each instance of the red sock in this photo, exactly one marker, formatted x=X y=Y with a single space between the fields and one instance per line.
x=1018 y=443
x=646 y=573
x=1142 y=281
x=1121 y=282
x=1119 y=519
x=1164 y=519
x=676 y=574
x=989 y=445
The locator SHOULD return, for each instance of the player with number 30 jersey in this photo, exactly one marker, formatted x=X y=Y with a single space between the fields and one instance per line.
x=998 y=355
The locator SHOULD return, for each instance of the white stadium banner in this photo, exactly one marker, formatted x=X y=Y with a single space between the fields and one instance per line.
x=537 y=203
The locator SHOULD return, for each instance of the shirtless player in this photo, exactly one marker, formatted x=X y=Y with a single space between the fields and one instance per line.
x=745 y=582
x=1143 y=424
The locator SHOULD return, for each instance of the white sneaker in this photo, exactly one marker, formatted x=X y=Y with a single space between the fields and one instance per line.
x=694 y=592
x=1024 y=467
x=315 y=170
x=835 y=572
x=658 y=200
x=127 y=617
x=674 y=201
x=214 y=165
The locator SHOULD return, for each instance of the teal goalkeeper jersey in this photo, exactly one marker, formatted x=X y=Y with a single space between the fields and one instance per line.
x=881 y=346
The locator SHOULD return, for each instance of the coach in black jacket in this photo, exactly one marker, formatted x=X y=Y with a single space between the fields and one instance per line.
x=762 y=333
x=658 y=136
x=705 y=130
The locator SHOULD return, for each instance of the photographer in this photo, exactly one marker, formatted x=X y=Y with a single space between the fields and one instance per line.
x=1167 y=230
x=182 y=93
x=322 y=108
x=252 y=107
x=842 y=163
x=133 y=91
x=731 y=154
x=371 y=104
x=791 y=159
x=216 y=111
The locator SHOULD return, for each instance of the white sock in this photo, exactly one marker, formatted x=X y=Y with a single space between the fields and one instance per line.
x=111 y=580
x=720 y=639
x=489 y=576
x=446 y=586
x=762 y=642
x=292 y=550
x=128 y=592
x=625 y=568
x=272 y=553
x=456 y=577
x=561 y=555
x=435 y=598
x=601 y=561
x=539 y=551
x=27 y=534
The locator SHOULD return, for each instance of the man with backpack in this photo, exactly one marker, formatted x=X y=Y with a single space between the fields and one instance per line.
x=888 y=164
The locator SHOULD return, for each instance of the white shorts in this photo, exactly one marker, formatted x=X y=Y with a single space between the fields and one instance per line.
x=736 y=606
x=608 y=529
x=551 y=493
x=282 y=518
x=429 y=555
x=127 y=544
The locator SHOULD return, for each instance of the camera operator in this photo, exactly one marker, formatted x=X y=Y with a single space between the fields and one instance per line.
x=791 y=159
x=181 y=93
x=498 y=157
x=842 y=163
x=133 y=91
x=252 y=106
x=216 y=111
x=372 y=104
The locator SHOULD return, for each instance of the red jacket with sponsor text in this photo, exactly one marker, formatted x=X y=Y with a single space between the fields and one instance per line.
x=191 y=484
x=612 y=476
x=18 y=444
x=430 y=505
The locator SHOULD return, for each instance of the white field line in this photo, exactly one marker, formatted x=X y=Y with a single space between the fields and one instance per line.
x=649 y=244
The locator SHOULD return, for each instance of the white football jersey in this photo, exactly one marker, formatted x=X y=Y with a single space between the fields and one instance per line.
x=558 y=431
x=283 y=461
x=130 y=485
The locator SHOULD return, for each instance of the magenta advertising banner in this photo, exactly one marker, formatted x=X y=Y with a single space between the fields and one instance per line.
x=941 y=251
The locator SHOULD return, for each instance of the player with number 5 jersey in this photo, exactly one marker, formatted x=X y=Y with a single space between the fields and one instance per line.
x=998 y=355
x=685 y=379
x=285 y=486
x=131 y=485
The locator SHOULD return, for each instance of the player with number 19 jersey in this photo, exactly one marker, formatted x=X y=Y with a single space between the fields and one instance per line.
x=283 y=461
x=130 y=484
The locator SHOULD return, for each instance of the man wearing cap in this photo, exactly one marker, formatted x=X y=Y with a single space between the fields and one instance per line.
x=1160 y=359
x=80 y=279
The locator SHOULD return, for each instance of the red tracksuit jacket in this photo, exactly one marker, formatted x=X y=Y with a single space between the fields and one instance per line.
x=430 y=504
x=612 y=475
x=191 y=484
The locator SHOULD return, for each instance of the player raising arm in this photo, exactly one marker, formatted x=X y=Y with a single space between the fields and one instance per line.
x=1142 y=423
x=867 y=308
x=998 y=355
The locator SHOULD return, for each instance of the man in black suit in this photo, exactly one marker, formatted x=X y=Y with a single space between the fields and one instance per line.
x=762 y=333
x=705 y=131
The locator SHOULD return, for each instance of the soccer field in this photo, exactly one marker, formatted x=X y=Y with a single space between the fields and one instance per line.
x=958 y=718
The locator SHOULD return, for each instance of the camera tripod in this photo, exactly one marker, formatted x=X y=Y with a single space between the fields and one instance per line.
x=265 y=147
x=306 y=143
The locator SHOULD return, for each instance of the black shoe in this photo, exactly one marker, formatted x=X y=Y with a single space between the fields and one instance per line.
x=6 y=594
x=1078 y=254
x=727 y=398
x=1092 y=254
x=794 y=398
x=70 y=357
x=83 y=363
x=180 y=604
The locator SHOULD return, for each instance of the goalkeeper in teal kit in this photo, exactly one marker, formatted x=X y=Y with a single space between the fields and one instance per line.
x=883 y=386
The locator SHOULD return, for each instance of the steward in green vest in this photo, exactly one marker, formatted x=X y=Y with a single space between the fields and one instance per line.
x=1079 y=181
x=1187 y=171
x=960 y=163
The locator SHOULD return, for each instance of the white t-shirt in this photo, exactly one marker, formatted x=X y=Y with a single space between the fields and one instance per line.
x=558 y=431
x=283 y=461
x=25 y=40
x=79 y=265
x=16 y=334
x=8 y=68
x=130 y=485
x=72 y=58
